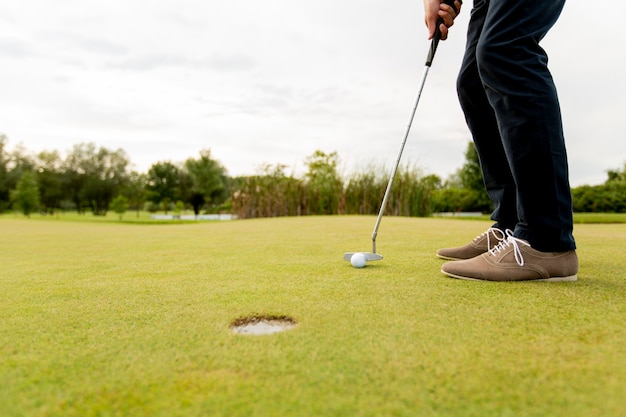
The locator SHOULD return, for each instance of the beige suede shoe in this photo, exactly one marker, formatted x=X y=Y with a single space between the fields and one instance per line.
x=481 y=244
x=514 y=260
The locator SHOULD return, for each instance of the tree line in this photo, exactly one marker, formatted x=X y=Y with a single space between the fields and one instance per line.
x=92 y=178
x=97 y=180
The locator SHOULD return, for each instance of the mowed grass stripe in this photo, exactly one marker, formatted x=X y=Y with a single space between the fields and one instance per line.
x=125 y=319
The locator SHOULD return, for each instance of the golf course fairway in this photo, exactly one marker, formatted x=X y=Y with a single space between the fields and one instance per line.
x=113 y=319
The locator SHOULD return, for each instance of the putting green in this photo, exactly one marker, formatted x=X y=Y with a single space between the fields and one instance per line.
x=119 y=319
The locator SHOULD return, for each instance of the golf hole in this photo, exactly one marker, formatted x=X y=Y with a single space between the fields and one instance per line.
x=262 y=324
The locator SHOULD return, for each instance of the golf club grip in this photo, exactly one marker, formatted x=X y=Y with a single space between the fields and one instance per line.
x=437 y=37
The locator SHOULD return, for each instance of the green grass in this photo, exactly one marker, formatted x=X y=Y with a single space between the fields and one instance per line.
x=144 y=217
x=110 y=319
x=130 y=217
x=579 y=218
x=599 y=218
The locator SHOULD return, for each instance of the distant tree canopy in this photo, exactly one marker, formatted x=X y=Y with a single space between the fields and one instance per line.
x=95 y=176
x=609 y=197
x=207 y=181
x=4 y=175
x=119 y=205
x=465 y=190
x=98 y=179
x=323 y=184
x=163 y=184
x=25 y=197
x=615 y=175
x=90 y=177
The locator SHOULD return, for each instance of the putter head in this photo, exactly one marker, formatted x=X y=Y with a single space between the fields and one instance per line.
x=369 y=256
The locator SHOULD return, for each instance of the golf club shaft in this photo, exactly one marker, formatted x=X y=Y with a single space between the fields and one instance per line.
x=429 y=61
x=397 y=164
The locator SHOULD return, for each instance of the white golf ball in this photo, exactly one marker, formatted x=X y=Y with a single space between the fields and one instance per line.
x=358 y=260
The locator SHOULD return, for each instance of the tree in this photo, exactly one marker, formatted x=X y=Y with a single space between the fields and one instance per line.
x=4 y=170
x=163 y=184
x=94 y=176
x=472 y=179
x=119 y=205
x=616 y=174
x=25 y=197
x=135 y=191
x=605 y=198
x=324 y=186
x=609 y=197
x=471 y=174
x=208 y=181
x=50 y=180
x=452 y=199
x=105 y=179
x=271 y=193
x=75 y=168
x=20 y=160
x=178 y=209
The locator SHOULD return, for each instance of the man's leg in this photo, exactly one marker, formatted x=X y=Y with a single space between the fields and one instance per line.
x=482 y=122
x=519 y=87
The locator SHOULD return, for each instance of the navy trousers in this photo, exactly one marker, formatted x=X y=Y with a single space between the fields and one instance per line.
x=511 y=107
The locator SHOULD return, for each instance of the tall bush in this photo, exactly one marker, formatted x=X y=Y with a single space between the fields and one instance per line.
x=25 y=197
x=323 y=183
x=271 y=193
x=363 y=192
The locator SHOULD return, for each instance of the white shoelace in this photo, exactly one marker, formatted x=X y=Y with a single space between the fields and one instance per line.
x=510 y=240
x=498 y=234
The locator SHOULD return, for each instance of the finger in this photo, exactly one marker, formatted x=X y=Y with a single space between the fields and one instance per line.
x=431 y=29
x=458 y=4
x=450 y=10
x=447 y=16
x=444 y=31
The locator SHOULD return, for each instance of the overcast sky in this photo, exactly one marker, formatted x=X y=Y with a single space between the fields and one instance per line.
x=268 y=82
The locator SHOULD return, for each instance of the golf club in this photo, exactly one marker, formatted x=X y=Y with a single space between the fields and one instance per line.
x=373 y=256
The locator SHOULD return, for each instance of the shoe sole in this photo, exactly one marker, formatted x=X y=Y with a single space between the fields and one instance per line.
x=449 y=258
x=570 y=278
